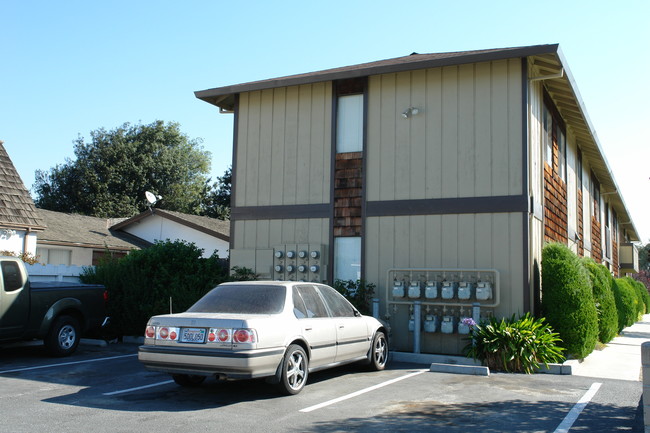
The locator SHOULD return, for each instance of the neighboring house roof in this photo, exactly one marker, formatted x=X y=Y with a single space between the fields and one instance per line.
x=211 y=226
x=85 y=231
x=17 y=208
x=548 y=63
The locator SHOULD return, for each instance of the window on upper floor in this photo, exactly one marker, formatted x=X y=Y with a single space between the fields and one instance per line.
x=554 y=139
x=579 y=170
x=595 y=197
x=349 y=115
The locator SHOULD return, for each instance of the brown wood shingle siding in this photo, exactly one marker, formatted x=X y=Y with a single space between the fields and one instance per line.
x=555 y=208
x=348 y=181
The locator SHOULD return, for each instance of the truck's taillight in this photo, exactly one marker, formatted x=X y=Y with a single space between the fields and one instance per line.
x=150 y=332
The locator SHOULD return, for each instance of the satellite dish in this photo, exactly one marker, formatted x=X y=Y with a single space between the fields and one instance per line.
x=151 y=197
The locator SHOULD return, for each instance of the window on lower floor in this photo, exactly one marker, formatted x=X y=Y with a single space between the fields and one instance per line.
x=347 y=258
x=54 y=256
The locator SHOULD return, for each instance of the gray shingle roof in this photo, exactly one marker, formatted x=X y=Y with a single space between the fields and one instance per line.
x=17 y=208
x=85 y=231
x=211 y=226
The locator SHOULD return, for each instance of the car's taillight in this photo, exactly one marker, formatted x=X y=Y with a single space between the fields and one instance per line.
x=105 y=297
x=150 y=332
x=168 y=333
x=244 y=336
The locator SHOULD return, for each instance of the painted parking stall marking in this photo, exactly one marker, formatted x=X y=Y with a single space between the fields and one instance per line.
x=360 y=392
x=138 y=388
x=572 y=416
x=18 y=370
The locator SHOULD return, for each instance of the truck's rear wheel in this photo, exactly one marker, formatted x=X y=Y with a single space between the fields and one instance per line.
x=63 y=338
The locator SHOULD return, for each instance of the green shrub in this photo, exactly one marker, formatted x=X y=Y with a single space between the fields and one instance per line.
x=567 y=300
x=359 y=293
x=168 y=275
x=642 y=295
x=515 y=345
x=626 y=303
x=602 y=281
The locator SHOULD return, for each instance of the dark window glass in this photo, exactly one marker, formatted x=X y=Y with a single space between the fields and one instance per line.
x=242 y=299
x=11 y=276
x=313 y=302
x=337 y=304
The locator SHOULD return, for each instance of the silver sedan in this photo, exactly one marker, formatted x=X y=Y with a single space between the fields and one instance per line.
x=281 y=331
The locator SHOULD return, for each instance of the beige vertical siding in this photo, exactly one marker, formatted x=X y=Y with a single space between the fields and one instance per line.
x=284 y=146
x=465 y=142
x=262 y=234
x=482 y=241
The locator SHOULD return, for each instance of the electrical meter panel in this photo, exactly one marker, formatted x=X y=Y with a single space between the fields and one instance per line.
x=302 y=262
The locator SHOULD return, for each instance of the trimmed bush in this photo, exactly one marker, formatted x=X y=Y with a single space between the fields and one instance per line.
x=358 y=292
x=567 y=300
x=601 y=281
x=643 y=295
x=626 y=303
x=511 y=345
x=141 y=284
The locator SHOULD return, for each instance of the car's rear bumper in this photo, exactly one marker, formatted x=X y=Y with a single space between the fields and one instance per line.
x=245 y=364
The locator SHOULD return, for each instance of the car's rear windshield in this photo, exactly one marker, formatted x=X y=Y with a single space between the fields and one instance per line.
x=242 y=299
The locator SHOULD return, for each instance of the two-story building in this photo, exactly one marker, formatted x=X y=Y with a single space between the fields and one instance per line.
x=437 y=177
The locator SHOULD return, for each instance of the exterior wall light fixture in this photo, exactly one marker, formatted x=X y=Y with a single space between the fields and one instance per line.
x=411 y=111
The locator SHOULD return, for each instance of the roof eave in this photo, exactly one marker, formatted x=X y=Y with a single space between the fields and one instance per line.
x=223 y=96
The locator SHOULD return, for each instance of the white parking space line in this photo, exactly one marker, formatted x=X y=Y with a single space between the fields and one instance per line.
x=358 y=393
x=572 y=416
x=124 y=391
x=16 y=370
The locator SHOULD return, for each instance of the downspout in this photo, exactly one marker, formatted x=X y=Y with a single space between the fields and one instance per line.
x=25 y=238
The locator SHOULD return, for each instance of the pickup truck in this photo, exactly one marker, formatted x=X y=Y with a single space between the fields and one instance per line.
x=57 y=313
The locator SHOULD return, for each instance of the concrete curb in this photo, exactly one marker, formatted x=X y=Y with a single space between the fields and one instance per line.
x=459 y=369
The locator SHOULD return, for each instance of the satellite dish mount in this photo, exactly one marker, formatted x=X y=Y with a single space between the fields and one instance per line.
x=152 y=199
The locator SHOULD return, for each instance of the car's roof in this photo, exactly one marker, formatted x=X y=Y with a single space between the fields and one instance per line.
x=268 y=283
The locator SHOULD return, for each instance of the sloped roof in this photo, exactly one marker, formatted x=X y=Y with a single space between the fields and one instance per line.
x=211 y=226
x=223 y=97
x=85 y=231
x=17 y=208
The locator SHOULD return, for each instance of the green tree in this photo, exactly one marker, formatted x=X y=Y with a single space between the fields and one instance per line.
x=110 y=174
x=217 y=201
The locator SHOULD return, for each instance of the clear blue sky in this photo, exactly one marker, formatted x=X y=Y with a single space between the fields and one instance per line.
x=71 y=67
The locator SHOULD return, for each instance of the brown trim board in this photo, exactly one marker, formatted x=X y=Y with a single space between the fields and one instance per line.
x=443 y=206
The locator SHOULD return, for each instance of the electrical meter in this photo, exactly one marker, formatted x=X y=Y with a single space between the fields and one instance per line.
x=483 y=291
x=431 y=290
x=448 y=288
x=398 y=289
x=414 y=289
x=447 y=325
x=430 y=323
x=463 y=328
x=464 y=290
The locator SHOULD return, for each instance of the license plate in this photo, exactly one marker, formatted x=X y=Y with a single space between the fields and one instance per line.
x=192 y=335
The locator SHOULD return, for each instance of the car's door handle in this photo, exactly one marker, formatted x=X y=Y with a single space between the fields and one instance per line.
x=307 y=329
x=341 y=326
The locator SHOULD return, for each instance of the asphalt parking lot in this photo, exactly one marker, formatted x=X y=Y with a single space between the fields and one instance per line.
x=105 y=389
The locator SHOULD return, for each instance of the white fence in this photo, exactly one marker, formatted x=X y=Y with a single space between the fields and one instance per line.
x=68 y=274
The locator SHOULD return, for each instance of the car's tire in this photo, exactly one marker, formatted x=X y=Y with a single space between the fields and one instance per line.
x=378 y=354
x=63 y=337
x=293 y=370
x=189 y=380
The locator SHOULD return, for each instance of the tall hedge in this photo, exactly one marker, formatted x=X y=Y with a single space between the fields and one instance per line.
x=626 y=303
x=567 y=300
x=141 y=284
x=601 y=281
x=643 y=294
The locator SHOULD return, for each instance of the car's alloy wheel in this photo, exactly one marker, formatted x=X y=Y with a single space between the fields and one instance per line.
x=379 y=351
x=294 y=370
x=63 y=337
